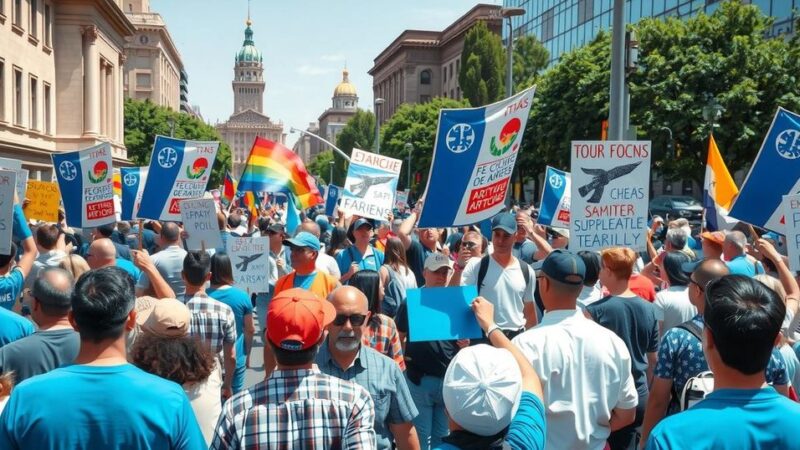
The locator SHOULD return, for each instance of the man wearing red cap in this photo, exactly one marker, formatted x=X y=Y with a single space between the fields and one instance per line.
x=297 y=406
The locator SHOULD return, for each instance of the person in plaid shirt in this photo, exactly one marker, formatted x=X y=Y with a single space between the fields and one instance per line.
x=213 y=322
x=297 y=406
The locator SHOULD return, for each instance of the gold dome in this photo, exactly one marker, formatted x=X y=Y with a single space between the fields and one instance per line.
x=344 y=88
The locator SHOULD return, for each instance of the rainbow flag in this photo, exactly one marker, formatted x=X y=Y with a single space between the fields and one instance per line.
x=116 y=183
x=229 y=187
x=271 y=167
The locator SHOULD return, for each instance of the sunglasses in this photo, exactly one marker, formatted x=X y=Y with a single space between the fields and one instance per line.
x=356 y=320
x=469 y=245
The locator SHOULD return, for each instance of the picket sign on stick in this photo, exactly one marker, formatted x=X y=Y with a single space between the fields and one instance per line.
x=141 y=233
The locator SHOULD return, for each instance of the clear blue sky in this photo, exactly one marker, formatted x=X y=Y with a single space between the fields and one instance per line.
x=305 y=46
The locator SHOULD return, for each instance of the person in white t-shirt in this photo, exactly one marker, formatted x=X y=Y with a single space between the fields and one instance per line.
x=585 y=368
x=504 y=283
x=672 y=305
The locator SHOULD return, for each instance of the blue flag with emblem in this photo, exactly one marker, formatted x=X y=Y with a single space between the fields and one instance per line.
x=554 y=207
x=133 y=181
x=474 y=155
x=332 y=194
x=775 y=173
x=87 y=190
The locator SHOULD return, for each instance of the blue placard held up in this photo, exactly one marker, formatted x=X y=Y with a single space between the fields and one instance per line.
x=442 y=314
x=332 y=195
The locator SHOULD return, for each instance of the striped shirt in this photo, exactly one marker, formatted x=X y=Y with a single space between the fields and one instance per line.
x=298 y=409
x=381 y=334
x=213 y=322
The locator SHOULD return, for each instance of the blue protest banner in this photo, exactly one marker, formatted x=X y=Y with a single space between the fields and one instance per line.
x=85 y=181
x=133 y=181
x=179 y=170
x=474 y=155
x=775 y=173
x=332 y=195
x=554 y=207
x=442 y=314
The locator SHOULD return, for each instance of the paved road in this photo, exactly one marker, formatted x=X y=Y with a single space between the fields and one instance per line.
x=255 y=373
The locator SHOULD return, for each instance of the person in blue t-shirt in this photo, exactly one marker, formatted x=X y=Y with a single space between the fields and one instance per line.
x=102 y=401
x=361 y=255
x=742 y=319
x=222 y=289
x=733 y=250
x=12 y=277
x=102 y=253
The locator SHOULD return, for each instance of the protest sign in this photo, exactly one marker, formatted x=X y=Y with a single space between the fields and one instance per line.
x=775 y=173
x=22 y=183
x=199 y=217
x=401 y=199
x=133 y=181
x=332 y=194
x=217 y=196
x=791 y=210
x=8 y=183
x=44 y=198
x=250 y=262
x=179 y=170
x=10 y=164
x=84 y=179
x=474 y=155
x=610 y=194
x=555 y=204
x=370 y=185
x=442 y=314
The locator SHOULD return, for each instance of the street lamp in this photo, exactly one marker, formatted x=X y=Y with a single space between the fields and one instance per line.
x=670 y=148
x=335 y=148
x=378 y=101
x=330 y=178
x=409 y=148
x=171 y=123
x=712 y=112
x=508 y=13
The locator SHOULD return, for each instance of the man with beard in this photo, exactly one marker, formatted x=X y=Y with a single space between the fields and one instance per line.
x=343 y=356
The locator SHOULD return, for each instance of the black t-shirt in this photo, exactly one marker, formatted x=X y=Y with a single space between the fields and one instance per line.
x=40 y=353
x=633 y=319
x=430 y=357
x=415 y=256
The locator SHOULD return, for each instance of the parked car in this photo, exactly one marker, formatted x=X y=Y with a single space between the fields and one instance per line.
x=672 y=207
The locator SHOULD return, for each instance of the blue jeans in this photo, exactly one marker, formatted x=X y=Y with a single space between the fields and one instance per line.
x=431 y=422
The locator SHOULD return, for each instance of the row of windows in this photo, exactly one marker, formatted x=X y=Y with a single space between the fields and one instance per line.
x=36 y=99
x=31 y=10
x=248 y=90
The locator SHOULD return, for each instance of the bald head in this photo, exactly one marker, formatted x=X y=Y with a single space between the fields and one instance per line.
x=344 y=336
x=101 y=253
x=350 y=299
x=708 y=270
x=53 y=292
x=170 y=233
x=310 y=226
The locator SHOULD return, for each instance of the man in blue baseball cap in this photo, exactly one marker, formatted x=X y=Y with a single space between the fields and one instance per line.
x=579 y=356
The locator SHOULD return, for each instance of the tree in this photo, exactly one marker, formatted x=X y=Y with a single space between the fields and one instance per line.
x=482 y=66
x=415 y=124
x=144 y=120
x=358 y=133
x=530 y=58
x=320 y=166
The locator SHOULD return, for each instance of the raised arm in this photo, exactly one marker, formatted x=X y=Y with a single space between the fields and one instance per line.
x=158 y=284
x=407 y=227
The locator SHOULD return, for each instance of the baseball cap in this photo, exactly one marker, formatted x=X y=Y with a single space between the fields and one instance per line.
x=275 y=227
x=689 y=267
x=296 y=319
x=564 y=267
x=436 y=261
x=563 y=232
x=481 y=389
x=323 y=223
x=361 y=222
x=303 y=239
x=506 y=222
x=716 y=237
x=167 y=318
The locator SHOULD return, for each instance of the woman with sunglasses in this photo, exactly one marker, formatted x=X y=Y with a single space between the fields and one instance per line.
x=381 y=332
x=472 y=245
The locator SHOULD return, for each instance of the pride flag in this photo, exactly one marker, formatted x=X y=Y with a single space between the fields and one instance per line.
x=719 y=191
x=229 y=187
x=271 y=167
x=116 y=183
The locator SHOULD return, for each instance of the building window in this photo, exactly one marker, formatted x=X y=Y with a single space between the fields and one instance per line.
x=585 y=10
x=444 y=76
x=17 y=96
x=547 y=25
x=33 y=24
x=17 y=13
x=143 y=80
x=48 y=25
x=2 y=90
x=2 y=8
x=34 y=120
x=425 y=77
x=48 y=119
x=688 y=187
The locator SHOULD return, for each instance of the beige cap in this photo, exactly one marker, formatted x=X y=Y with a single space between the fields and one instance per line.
x=167 y=318
x=436 y=261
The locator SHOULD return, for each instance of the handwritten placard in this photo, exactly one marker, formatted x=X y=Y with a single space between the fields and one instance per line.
x=7 y=186
x=44 y=198
x=199 y=218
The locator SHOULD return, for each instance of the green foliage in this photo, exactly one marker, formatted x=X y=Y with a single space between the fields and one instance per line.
x=482 y=66
x=358 y=133
x=144 y=120
x=320 y=166
x=530 y=58
x=415 y=124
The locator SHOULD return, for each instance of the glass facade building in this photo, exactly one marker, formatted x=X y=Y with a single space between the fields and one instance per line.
x=563 y=25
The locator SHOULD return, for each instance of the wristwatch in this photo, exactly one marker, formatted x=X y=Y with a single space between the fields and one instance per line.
x=492 y=328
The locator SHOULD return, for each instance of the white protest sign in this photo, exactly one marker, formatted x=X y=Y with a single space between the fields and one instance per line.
x=609 y=194
x=791 y=214
x=7 y=186
x=250 y=262
x=199 y=218
x=370 y=186
x=10 y=164
x=22 y=183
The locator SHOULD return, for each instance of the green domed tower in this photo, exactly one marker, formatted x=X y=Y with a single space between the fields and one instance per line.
x=248 y=75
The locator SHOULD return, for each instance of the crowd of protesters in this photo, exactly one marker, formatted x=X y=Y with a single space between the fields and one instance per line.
x=120 y=337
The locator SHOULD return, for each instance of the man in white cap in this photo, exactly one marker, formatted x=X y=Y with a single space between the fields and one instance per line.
x=492 y=394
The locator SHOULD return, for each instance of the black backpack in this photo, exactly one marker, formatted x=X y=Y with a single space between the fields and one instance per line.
x=484 y=267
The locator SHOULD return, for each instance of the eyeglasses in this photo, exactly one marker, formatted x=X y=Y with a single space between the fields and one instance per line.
x=356 y=320
x=469 y=245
